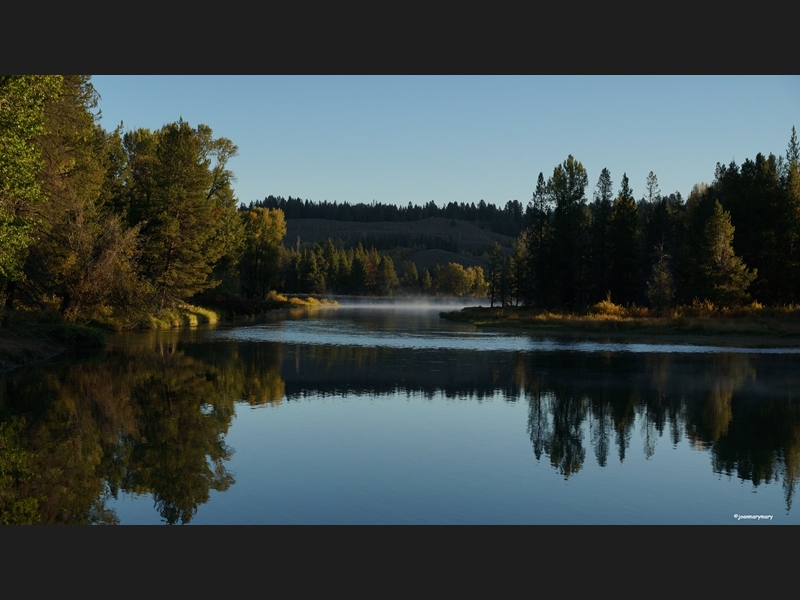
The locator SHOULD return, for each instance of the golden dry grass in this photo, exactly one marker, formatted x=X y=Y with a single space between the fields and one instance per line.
x=698 y=319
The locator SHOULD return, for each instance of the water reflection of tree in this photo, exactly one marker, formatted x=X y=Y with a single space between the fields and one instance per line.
x=762 y=445
x=328 y=370
x=61 y=425
x=152 y=418
x=709 y=410
x=180 y=452
x=756 y=437
x=146 y=420
x=555 y=427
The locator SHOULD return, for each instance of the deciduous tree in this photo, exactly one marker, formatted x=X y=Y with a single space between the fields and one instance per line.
x=22 y=101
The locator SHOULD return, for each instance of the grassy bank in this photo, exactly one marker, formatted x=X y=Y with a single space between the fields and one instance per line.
x=228 y=306
x=28 y=336
x=702 y=323
x=207 y=311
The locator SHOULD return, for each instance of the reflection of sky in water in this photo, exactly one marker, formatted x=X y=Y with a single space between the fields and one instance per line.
x=410 y=334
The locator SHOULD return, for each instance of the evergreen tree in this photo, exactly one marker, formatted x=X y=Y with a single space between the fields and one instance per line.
x=410 y=277
x=387 y=280
x=600 y=236
x=625 y=246
x=426 y=282
x=726 y=277
x=312 y=272
x=539 y=244
x=496 y=275
x=173 y=194
x=653 y=193
x=661 y=286
x=767 y=221
x=518 y=278
x=571 y=220
x=359 y=271
x=264 y=230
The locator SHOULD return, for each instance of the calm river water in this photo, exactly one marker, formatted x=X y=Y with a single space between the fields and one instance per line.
x=393 y=415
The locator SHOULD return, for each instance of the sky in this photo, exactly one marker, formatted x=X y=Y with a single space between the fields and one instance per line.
x=401 y=139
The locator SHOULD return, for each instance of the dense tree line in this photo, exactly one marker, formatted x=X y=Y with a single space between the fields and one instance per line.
x=660 y=251
x=327 y=269
x=510 y=220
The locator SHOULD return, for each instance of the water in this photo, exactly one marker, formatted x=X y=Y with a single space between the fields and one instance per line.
x=392 y=415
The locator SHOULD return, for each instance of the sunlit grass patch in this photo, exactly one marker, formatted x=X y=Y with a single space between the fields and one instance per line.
x=181 y=315
x=700 y=318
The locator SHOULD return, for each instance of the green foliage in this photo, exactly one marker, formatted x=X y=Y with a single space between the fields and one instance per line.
x=539 y=244
x=660 y=286
x=426 y=281
x=22 y=101
x=410 y=277
x=726 y=276
x=84 y=254
x=264 y=230
x=184 y=204
x=17 y=472
x=387 y=280
x=571 y=221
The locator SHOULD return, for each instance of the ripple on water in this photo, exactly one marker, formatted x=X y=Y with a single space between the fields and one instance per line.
x=351 y=333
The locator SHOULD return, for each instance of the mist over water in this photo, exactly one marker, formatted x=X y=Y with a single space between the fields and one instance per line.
x=418 y=325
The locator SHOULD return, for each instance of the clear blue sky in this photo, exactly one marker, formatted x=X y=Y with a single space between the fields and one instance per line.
x=401 y=139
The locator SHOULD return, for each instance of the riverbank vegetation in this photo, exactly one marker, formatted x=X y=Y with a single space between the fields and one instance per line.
x=749 y=325
x=140 y=227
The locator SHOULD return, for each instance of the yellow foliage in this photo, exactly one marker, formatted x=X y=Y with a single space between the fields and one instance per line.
x=608 y=309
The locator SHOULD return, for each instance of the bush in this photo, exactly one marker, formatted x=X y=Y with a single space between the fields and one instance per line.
x=606 y=308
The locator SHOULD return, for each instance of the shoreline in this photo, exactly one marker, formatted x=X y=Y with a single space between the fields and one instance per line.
x=32 y=344
x=724 y=331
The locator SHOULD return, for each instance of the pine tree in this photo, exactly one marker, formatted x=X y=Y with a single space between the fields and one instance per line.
x=264 y=230
x=625 y=246
x=600 y=236
x=387 y=279
x=539 y=245
x=173 y=187
x=571 y=220
x=661 y=286
x=726 y=277
x=653 y=193
x=495 y=275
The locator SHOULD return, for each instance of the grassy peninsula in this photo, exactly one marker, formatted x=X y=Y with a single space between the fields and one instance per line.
x=700 y=323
